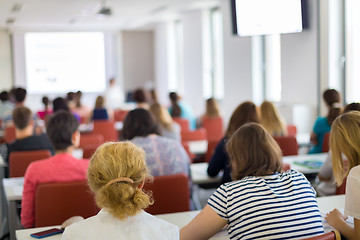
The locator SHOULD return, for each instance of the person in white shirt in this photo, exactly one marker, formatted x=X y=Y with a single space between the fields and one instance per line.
x=114 y=96
x=344 y=139
x=116 y=175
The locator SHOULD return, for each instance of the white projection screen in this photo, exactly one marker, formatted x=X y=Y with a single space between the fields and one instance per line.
x=65 y=61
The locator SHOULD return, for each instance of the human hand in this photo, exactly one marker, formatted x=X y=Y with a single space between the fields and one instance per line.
x=334 y=217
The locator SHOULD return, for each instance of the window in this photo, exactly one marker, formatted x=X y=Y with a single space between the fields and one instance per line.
x=213 y=62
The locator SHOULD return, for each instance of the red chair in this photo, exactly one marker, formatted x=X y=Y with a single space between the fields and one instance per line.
x=56 y=202
x=106 y=129
x=92 y=139
x=9 y=134
x=20 y=160
x=119 y=115
x=196 y=135
x=214 y=128
x=171 y=194
x=184 y=123
x=341 y=189
x=291 y=129
x=211 y=149
x=287 y=144
x=325 y=146
x=333 y=235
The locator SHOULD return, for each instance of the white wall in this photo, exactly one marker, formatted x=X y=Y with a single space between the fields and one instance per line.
x=138 y=59
x=5 y=61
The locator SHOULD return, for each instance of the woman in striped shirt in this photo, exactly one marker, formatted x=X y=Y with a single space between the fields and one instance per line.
x=262 y=202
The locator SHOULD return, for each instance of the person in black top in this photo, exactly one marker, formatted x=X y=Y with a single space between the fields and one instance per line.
x=25 y=139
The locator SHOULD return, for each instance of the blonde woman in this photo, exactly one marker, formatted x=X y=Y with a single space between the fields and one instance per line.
x=271 y=120
x=116 y=175
x=212 y=110
x=344 y=140
x=168 y=128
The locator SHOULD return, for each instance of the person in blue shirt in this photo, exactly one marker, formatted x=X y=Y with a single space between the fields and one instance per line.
x=181 y=109
x=323 y=124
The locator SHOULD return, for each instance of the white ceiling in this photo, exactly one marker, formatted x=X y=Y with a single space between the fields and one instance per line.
x=82 y=14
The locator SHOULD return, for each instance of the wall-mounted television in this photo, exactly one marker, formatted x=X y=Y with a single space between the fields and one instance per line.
x=264 y=17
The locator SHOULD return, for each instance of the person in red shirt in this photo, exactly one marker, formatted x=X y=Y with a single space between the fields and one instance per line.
x=62 y=130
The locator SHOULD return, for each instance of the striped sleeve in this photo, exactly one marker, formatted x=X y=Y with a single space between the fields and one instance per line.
x=218 y=202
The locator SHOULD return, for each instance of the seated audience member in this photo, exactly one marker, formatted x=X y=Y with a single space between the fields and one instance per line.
x=6 y=106
x=344 y=140
x=62 y=130
x=181 y=109
x=47 y=109
x=81 y=109
x=61 y=104
x=100 y=112
x=164 y=156
x=244 y=113
x=212 y=110
x=116 y=174
x=25 y=140
x=262 y=202
x=141 y=99
x=168 y=128
x=18 y=96
x=271 y=120
x=323 y=124
x=327 y=185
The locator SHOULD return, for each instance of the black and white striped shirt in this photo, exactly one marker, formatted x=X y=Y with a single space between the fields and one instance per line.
x=278 y=206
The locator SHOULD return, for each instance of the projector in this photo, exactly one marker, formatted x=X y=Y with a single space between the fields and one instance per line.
x=105 y=11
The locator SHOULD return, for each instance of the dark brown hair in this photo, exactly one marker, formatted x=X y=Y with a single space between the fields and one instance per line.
x=355 y=106
x=253 y=152
x=176 y=110
x=99 y=102
x=140 y=96
x=139 y=123
x=21 y=117
x=332 y=100
x=244 y=113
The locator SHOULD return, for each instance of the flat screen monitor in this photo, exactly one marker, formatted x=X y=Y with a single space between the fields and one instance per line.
x=265 y=17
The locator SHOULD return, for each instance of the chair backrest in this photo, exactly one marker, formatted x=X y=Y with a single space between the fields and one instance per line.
x=288 y=145
x=106 y=129
x=214 y=128
x=91 y=139
x=56 y=202
x=171 y=194
x=211 y=149
x=119 y=115
x=333 y=235
x=341 y=189
x=291 y=129
x=20 y=160
x=198 y=134
x=325 y=146
x=183 y=122
x=9 y=134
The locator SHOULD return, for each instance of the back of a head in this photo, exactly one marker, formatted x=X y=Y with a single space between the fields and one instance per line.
x=60 y=128
x=244 y=113
x=173 y=97
x=355 y=106
x=19 y=94
x=344 y=139
x=60 y=104
x=99 y=102
x=45 y=101
x=253 y=152
x=332 y=100
x=139 y=123
x=4 y=96
x=116 y=170
x=161 y=115
x=212 y=108
x=140 y=96
x=21 y=117
x=270 y=119
x=78 y=98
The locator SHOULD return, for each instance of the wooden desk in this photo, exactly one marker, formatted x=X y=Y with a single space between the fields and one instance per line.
x=181 y=219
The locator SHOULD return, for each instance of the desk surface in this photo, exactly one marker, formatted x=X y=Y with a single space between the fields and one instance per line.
x=181 y=219
x=321 y=157
x=13 y=188
x=199 y=174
